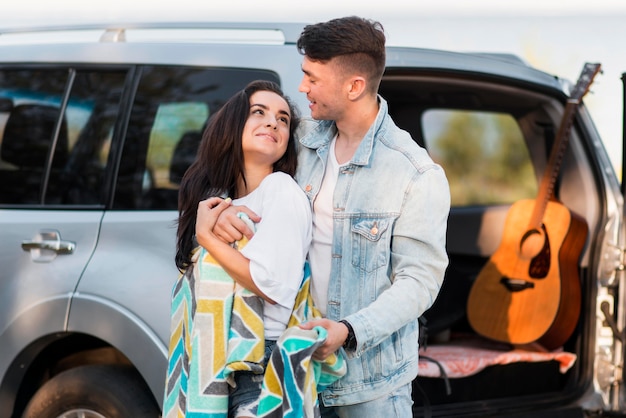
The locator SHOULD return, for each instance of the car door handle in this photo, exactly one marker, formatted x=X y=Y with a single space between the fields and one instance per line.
x=49 y=240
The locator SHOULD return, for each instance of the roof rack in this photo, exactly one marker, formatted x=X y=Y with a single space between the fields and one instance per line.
x=235 y=32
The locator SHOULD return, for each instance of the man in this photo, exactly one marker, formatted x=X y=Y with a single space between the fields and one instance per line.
x=380 y=208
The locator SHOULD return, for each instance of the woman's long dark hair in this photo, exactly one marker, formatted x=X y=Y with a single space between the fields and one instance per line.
x=219 y=162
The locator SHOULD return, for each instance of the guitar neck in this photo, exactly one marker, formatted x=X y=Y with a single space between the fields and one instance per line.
x=546 y=187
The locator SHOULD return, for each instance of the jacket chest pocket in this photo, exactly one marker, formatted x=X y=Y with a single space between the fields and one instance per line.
x=370 y=243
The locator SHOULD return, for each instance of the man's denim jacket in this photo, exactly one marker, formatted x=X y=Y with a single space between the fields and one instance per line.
x=391 y=206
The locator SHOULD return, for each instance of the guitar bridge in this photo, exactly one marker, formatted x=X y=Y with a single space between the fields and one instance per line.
x=516 y=285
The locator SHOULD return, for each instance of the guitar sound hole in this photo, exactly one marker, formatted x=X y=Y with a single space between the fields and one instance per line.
x=540 y=264
x=531 y=243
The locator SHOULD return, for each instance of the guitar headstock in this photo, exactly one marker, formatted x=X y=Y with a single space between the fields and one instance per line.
x=584 y=81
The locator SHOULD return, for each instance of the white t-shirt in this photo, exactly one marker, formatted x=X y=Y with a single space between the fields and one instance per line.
x=278 y=249
x=320 y=254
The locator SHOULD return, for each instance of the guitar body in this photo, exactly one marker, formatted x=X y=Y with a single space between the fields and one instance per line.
x=529 y=290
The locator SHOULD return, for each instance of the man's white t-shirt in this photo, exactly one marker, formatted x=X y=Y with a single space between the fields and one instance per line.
x=278 y=249
x=320 y=254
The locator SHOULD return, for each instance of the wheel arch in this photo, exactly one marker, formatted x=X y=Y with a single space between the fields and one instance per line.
x=23 y=339
x=47 y=357
x=38 y=345
x=124 y=331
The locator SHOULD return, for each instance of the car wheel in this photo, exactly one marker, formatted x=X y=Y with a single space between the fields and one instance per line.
x=97 y=391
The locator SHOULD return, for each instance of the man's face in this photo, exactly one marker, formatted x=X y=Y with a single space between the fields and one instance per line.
x=322 y=85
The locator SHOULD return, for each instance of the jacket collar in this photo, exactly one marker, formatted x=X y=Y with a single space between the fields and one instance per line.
x=325 y=131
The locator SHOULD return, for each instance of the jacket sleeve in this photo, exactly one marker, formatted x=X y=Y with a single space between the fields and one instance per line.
x=418 y=261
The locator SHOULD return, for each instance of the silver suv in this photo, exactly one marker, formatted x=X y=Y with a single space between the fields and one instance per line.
x=97 y=126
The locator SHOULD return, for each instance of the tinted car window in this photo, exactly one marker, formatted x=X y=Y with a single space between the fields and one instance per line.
x=28 y=126
x=170 y=110
x=50 y=155
x=484 y=155
x=90 y=115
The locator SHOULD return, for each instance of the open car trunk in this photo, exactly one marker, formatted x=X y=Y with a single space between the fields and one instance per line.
x=494 y=139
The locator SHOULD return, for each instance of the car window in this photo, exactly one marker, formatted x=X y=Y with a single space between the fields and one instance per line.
x=172 y=122
x=171 y=108
x=28 y=124
x=69 y=111
x=91 y=113
x=483 y=154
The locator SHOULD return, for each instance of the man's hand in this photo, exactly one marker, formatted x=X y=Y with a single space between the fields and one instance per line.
x=207 y=214
x=230 y=228
x=337 y=334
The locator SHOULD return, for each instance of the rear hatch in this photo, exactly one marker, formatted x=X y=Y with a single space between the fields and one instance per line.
x=491 y=122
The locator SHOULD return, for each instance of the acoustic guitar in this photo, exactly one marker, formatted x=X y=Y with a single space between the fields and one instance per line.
x=529 y=290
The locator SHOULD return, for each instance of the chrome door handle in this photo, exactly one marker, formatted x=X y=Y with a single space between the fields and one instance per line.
x=47 y=241
x=59 y=247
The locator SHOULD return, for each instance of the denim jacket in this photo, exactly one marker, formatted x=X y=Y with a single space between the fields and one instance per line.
x=388 y=251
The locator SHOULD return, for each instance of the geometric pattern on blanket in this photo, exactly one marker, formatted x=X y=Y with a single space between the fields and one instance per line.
x=201 y=363
x=293 y=379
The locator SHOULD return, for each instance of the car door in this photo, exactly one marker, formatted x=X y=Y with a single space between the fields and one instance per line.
x=124 y=295
x=55 y=132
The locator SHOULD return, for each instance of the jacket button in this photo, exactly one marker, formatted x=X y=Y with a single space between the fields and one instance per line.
x=308 y=188
x=374 y=231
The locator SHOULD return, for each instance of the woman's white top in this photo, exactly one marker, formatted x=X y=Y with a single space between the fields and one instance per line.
x=279 y=247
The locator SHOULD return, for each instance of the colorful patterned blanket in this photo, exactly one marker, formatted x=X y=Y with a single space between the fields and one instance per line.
x=217 y=329
x=293 y=379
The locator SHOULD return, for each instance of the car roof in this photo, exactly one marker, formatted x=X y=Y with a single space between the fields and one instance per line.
x=185 y=43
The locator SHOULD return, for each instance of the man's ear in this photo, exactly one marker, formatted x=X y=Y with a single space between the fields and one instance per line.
x=356 y=87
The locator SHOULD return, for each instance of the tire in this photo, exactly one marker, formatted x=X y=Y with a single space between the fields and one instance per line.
x=98 y=391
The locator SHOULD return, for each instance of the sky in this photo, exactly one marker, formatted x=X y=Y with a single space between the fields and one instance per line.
x=288 y=9
x=557 y=36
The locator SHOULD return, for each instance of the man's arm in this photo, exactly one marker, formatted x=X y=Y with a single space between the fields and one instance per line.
x=232 y=261
x=418 y=260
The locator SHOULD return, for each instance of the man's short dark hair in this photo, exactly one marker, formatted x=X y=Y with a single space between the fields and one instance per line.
x=358 y=43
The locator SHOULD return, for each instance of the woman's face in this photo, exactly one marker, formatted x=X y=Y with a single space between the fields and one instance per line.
x=266 y=132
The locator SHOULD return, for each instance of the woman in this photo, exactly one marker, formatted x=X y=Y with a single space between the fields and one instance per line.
x=247 y=153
